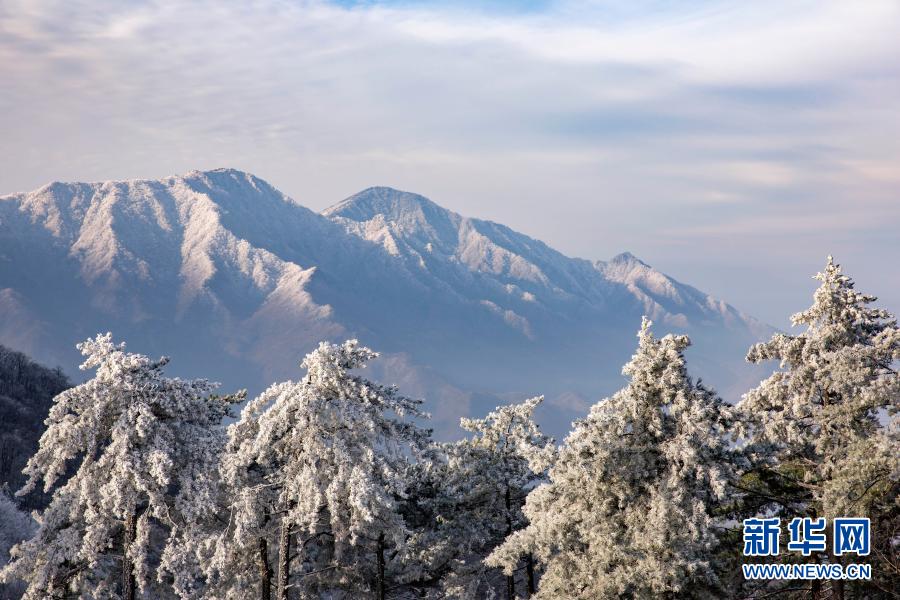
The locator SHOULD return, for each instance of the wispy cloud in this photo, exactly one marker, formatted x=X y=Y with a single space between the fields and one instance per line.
x=715 y=126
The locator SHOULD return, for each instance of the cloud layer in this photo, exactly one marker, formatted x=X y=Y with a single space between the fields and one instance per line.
x=732 y=144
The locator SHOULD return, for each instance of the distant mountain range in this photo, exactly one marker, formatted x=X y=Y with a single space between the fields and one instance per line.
x=236 y=282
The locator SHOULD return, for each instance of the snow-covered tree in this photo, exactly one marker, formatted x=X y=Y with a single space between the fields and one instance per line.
x=628 y=508
x=824 y=427
x=15 y=525
x=139 y=443
x=479 y=485
x=317 y=468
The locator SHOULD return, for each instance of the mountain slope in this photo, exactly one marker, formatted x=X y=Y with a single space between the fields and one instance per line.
x=236 y=281
x=27 y=390
x=471 y=253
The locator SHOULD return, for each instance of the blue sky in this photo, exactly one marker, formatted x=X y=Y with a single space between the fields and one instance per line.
x=731 y=144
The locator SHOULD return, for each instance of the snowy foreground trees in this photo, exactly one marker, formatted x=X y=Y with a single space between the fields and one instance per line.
x=628 y=510
x=473 y=493
x=825 y=428
x=328 y=486
x=321 y=466
x=140 y=444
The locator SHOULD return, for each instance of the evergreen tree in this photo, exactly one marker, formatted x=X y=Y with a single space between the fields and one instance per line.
x=318 y=468
x=628 y=510
x=15 y=525
x=824 y=427
x=139 y=440
x=480 y=484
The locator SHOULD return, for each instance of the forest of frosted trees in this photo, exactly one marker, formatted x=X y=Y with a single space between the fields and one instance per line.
x=330 y=486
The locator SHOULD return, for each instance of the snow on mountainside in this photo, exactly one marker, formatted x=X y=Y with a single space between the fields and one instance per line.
x=430 y=237
x=236 y=281
x=672 y=302
x=472 y=251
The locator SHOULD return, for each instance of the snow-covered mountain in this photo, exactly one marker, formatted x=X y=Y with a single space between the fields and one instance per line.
x=236 y=282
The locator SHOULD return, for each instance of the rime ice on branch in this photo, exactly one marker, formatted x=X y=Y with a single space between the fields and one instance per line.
x=820 y=412
x=317 y=468
x=825 y=428
x=628 y=509
x=138 y=445
x=479 y=485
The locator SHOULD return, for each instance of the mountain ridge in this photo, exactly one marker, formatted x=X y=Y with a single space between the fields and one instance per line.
x=237 y=280
x=623 y=268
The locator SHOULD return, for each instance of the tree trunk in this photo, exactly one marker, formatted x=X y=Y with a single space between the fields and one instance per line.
x=837 y=585
x=815 y=589
x=837 y=589
x=284 y=560
x=529 y=574
x=510 y=581
x=265 y=571
x=379 y=583
x=129 y=585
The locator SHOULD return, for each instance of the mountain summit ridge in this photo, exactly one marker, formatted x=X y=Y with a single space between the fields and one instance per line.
x=237 y=281
x=389 y=222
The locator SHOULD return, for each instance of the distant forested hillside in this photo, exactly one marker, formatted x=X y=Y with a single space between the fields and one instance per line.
x=26 y=393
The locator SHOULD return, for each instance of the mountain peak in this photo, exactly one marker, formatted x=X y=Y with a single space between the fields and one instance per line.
x=393 y=204
x=218 y=174
x=226 y=177
x=627 y=258
x=401 y=222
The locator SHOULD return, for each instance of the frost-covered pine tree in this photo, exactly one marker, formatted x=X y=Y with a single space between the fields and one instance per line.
x=15 y=525
x=824 y=427
x=317 y=468
x=628 y=508
x=138 y=445
x=480 y=484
